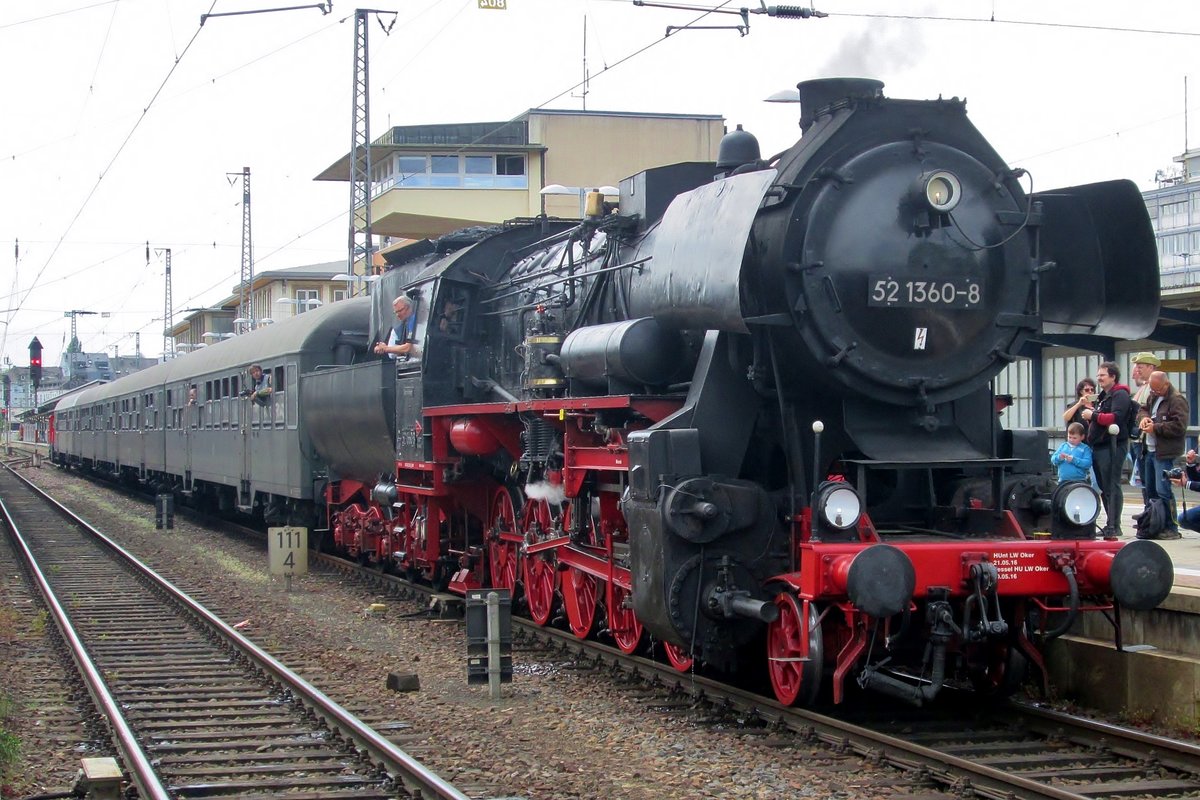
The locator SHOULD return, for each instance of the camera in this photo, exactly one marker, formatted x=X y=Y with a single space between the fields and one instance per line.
x=1173 y=474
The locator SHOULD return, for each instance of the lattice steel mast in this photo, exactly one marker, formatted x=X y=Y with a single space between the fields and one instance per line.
x=246 y=290
x=168 y=305
x=361 y=245
x=360 y=151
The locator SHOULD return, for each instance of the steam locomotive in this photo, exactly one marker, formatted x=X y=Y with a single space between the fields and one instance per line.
x=745 y=414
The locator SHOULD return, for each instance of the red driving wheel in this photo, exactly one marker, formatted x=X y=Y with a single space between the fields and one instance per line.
x=503 y=554
x=539 y=587
x=581 y=597
x=679 y=657
x=622 y=624
x=794 y=651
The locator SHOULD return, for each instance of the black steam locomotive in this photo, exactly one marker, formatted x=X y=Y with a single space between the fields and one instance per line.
x=748 y=411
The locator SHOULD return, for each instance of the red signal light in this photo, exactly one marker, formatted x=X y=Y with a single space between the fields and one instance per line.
x=35 y=362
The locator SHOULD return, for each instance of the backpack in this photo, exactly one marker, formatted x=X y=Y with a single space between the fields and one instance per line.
x=1129 y=426
x=1153 y=521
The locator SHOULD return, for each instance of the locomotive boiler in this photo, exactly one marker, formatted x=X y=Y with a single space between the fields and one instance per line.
x=743 y=416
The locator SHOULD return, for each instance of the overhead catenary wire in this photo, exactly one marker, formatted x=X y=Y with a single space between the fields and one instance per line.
x=120 y=149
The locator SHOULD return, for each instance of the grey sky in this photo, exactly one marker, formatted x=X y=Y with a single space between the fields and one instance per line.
x=272 y=92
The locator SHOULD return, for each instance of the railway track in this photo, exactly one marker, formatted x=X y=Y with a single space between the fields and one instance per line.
x=196 y=710
x=1006 y=751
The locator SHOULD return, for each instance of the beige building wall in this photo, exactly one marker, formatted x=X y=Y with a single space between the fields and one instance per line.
x=598 y=149
x=428 y=213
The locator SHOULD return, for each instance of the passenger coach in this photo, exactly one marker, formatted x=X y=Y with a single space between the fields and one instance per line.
x=146 y=427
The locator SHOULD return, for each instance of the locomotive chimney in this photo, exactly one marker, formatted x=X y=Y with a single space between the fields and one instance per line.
x=817 y=96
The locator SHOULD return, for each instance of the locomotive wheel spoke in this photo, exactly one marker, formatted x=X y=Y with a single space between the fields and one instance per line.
x=503 y=555
x=580 y=596
x=678 y=657
x=624 y=626
x=539 y=588
x=794 y=680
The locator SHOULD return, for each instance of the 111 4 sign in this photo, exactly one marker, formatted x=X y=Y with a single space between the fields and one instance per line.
x=287 y=550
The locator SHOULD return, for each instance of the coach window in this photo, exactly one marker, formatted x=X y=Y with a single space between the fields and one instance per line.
x=278 y=410
x=293 y=397
x=225 y=402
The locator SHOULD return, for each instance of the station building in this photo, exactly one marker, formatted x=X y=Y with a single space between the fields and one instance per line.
x=429 y=180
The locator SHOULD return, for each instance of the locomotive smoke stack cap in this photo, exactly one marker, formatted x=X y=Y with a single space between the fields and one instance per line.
x=737 y=147
x=818 y=95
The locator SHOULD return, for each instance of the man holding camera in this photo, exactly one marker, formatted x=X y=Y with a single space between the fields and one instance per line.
x=1189 y=519
x=1163 y=422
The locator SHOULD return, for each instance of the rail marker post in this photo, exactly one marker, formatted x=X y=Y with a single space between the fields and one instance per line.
x=287 y=552
x=164 y=510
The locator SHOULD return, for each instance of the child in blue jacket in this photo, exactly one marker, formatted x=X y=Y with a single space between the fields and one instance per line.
x=1073 y=458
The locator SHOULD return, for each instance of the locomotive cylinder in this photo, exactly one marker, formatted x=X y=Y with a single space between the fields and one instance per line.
x=638 y=351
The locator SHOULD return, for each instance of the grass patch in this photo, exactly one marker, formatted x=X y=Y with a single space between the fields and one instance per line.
x=234 y=567
x=10 y=745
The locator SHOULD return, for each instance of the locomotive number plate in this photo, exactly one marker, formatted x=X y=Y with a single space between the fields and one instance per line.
x=889 y=292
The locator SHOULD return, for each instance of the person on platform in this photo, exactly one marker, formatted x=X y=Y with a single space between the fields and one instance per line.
x=1085 y=397
x=1073 y=458
x=1143 y=365
x=1109 y=451
x=1163 y=422
x=1190 y=479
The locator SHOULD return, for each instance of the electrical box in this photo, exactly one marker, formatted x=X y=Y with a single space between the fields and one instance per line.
x=477 y=635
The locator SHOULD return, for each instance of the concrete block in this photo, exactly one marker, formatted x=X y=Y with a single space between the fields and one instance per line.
x=404 y=682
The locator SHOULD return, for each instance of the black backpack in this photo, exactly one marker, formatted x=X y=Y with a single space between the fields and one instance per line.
x=1153 y=521
x=1130 y=426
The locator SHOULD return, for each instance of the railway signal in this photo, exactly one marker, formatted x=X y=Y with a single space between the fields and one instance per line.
x=35 y=363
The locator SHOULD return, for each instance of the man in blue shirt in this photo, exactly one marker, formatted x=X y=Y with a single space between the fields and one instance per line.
x=399 y=343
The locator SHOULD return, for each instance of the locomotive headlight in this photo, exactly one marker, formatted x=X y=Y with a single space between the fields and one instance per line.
x=942 y=191
x=1076 y=503
x=838 y=506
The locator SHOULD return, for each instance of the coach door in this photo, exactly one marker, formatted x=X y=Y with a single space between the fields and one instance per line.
x=255 y=418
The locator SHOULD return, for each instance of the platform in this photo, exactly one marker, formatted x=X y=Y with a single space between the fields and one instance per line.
x=1157 y=675
x=1184 y=552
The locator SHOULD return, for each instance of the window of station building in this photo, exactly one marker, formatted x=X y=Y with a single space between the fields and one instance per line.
x=1173 y=215
x=1015 y=380
x=307 y=299
x=339 y=294
x=454 y=171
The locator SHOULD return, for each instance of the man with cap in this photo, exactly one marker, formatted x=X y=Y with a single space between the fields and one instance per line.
x=1143 y=365
x=1164 y=422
